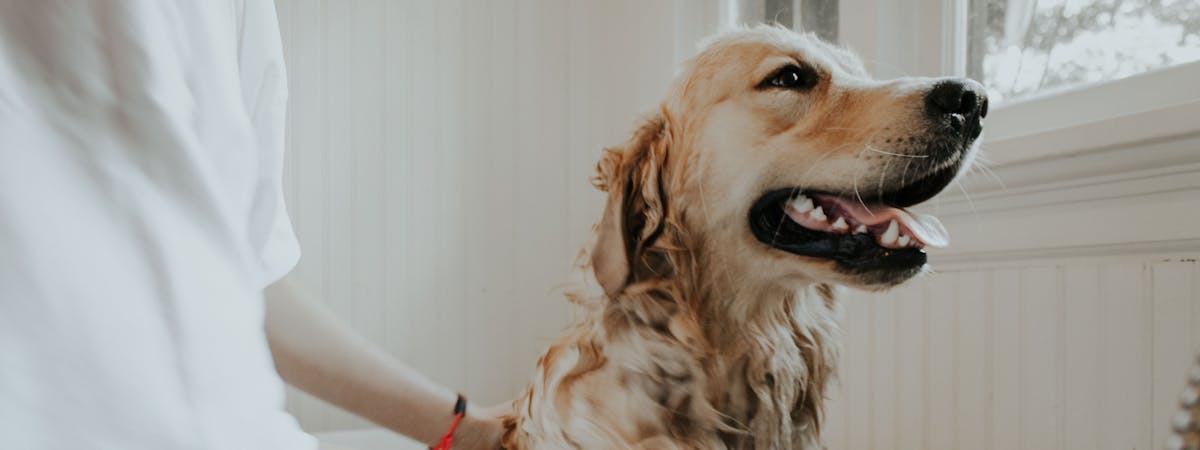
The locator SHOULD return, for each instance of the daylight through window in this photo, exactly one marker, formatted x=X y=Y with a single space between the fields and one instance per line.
x=1020 y=48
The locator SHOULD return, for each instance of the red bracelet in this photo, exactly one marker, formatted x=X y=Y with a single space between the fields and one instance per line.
x=460 y=410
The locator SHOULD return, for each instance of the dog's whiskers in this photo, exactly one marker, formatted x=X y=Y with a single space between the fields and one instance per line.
x=894 y=154
x=782 y=220
x=970 y=202
x=984 y=166
x=883 y=176
x=817 y=163
x=854 y=182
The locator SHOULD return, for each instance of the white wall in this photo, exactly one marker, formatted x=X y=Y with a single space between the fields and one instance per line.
x=438 y=162
x=1083 y=353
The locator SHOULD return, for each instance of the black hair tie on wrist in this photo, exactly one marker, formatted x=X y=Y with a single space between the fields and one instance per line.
x=460 y=410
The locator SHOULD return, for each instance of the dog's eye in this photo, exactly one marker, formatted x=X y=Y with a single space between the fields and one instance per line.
x=792 y=77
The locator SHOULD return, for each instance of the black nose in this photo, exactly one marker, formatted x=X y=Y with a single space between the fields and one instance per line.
x=961 y=102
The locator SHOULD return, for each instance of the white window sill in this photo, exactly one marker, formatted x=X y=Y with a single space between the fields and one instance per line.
x=1166 y=122
x=1157 y=105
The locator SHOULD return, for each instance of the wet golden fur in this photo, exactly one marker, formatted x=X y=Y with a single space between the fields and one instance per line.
x=705 y=338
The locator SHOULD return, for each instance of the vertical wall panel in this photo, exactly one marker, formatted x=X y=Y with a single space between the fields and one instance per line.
x=367 y=267
x=1125 y=339
x=1195 y=304
x=940 y=340
x=422 y=210
x=450 y=201
x=398 y=188
x=1076 y=354
x=973 y=374
x=1006 y=359
x=910 y=366
x=1171 y=291
x=1081 y=396
x=856 y=373
x=883 y=374
x=836 y=431
x=481 y=238
x=541 y=159
x=342 y=110
x=1039 y=348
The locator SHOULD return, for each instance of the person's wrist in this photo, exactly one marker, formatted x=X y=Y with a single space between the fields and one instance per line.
x=480 y=430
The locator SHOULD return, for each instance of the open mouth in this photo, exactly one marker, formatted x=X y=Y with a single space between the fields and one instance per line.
x=860 y=236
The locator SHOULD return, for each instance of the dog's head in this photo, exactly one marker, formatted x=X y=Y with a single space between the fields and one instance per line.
x=777 y=159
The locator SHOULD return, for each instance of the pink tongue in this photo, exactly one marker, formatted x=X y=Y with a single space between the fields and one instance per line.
x=924 y=227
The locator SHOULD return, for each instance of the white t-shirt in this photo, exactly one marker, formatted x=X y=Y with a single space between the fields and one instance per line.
x=141 y=215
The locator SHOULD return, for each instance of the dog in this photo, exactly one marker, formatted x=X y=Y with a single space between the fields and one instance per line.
x=775 y=170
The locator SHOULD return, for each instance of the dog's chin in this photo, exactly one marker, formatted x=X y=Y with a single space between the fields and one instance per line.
x=868 y=252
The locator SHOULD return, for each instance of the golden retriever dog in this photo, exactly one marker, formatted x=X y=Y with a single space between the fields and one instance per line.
x=774 y=170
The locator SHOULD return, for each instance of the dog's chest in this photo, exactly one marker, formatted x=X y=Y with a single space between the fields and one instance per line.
x=767 y=408
x=625 y=382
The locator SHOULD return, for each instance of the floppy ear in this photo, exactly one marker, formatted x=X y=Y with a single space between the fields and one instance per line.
x=636 y=206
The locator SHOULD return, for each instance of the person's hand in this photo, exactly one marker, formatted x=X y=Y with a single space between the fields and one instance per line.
x=482 y=428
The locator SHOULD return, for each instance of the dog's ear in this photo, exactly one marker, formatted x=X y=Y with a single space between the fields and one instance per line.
x=632 y=175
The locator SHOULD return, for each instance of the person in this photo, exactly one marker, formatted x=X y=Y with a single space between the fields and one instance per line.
x=141 y=222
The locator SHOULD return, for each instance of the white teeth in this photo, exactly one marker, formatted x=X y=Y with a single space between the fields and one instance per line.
x=817 y=214
x=840 y=224
x=904 y=240
x=893 y=232
x=802 y=204
x=862 y=229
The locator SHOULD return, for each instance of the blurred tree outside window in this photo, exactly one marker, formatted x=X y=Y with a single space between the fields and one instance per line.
x=1020 y=48
x=816 y=16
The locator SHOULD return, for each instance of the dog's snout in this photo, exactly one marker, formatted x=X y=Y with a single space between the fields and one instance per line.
x=961 y=102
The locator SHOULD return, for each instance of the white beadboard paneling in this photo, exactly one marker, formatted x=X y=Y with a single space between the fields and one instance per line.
x=940 y=360
x=1081 y=354
x=973 y=374
x=367 y=270
x=1006 y=360
x=883 y=374
x=449 y=202
x=856 y=374
x=1195 y=303
x=1125 y=363
x=835 y=431
x=398 y=188
x=1082 y=332
x=1172 y=303
x=911 y=400
x=1039 y=348
x=438 y=162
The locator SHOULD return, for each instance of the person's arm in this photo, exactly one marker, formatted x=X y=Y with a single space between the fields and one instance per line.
x=318 y=354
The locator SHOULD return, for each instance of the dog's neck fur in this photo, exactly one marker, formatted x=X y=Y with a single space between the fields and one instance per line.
x=780 y=357
x=767 y=351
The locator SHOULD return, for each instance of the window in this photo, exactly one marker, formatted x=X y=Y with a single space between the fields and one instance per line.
x=1022 y=48
x=817 y=16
